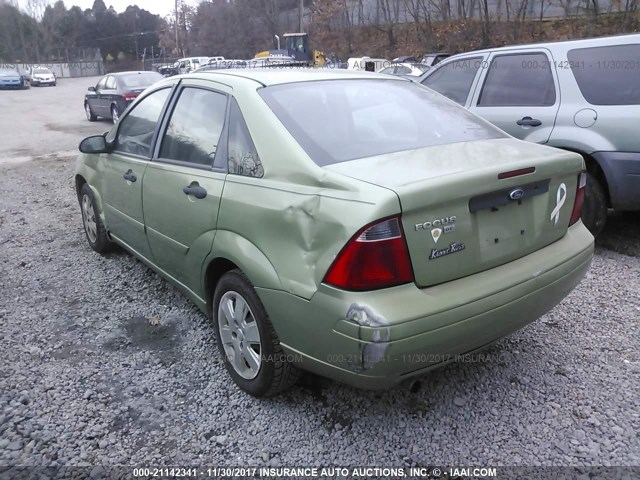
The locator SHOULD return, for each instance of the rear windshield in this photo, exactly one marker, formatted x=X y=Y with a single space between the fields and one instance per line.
x=140 y=79
x=41 y=70
x=339 y=120
x=607 y=75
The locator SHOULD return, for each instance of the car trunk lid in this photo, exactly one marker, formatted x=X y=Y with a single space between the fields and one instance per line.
x=469 y=207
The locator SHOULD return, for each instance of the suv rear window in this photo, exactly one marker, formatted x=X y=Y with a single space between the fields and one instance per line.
x=339 y=120
x=607 y=75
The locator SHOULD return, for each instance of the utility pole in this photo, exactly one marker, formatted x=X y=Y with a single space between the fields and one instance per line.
x=176 y=26
x=301 y=13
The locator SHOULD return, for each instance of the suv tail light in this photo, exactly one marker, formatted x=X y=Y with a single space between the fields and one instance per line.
x=376 y=257
x=577 y=205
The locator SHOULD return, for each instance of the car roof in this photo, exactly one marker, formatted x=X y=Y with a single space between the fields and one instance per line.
x=122 y=74
x=583 y=42
x=278 y=76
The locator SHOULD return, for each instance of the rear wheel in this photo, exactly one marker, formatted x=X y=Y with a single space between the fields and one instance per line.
x=247 y=340
x=594 y=210
x=115 y=114
x=87 y=110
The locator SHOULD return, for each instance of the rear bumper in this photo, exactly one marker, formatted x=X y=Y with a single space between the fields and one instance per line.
x=378 y=339
x=622 y=170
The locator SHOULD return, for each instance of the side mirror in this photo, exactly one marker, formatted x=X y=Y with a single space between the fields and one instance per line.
x=91 y=89
x=94 y=144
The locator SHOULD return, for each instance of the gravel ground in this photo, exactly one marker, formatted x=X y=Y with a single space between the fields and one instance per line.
x=86 y=379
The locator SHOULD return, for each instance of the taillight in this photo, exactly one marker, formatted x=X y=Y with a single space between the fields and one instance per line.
x=130 y=96
x=376 y=257
x=577 y=205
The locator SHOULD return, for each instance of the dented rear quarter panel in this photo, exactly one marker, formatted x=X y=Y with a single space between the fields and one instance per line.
x=296 y=218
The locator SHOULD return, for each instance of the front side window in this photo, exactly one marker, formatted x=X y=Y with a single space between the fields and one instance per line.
x=243 y=156
x=339 y=120
x=522 y=80
x=102 y=84
x=454 y=79
x=195 y=127
x=607 y=75
x=136 y=130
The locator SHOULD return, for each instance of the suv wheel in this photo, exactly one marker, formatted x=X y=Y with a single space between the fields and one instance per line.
x=249 y=346
x=594 y=210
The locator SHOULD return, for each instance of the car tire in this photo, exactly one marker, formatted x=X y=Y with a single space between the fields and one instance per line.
x=94 y=230
x=115 y=113
x=89 y=113
x=594 y=210
x=272 y=372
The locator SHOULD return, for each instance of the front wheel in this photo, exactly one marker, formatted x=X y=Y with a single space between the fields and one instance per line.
x=247 y=341
x=90 y=115
x=93 y=227
x=594 y=210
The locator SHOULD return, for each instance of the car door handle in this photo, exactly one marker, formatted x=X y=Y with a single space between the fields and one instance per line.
x=195 y=190
x=130 y=176
x=529 y=122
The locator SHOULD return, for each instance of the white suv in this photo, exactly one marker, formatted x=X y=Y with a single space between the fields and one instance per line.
x=581 y=95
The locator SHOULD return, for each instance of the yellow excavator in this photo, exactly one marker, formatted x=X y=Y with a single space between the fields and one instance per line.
x=297 y=48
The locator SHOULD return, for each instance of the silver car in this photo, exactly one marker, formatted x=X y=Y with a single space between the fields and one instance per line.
x=581 y=95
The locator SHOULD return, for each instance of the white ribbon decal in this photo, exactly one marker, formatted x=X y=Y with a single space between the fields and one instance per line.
x=560 y=199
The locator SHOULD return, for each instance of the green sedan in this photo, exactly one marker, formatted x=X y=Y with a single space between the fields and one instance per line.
x=355 y=225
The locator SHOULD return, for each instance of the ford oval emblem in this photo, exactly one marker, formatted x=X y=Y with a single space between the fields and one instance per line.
x=516 y=194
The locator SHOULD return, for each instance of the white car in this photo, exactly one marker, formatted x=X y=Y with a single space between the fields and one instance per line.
x=367 y=63
x=38 y=76
x=402 y=69
x=186 y=65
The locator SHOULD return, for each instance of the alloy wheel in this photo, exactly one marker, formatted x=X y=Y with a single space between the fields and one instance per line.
x=89 y=219
x=240 y=335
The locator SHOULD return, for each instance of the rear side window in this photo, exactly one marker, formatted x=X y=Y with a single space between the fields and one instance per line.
x=454 y=79
x=111 y=83
x=195 y=127
x=340 y=120
x=522 y=80
x=607 y=75
x=243 y=156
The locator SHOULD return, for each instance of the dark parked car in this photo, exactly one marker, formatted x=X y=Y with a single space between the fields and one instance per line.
x=114 y=92
x=167 y=70
x=431 y=59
